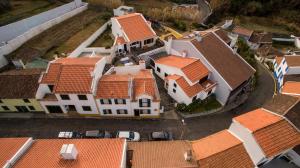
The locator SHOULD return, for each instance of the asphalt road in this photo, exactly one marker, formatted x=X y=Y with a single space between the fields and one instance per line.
x=195 y=128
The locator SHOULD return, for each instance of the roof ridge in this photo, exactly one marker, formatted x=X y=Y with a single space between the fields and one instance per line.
x=281 y=119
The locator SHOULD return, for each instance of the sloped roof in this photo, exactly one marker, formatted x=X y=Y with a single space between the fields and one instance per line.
x=157 y=154
x=280 y=103
x=188 y=89
x=193 y=68
x=291 y=88
x=272 y=132
x=229 y=65
x=19 y=84
x=135 y=27
x=221 y=150
x=294 y=115
x=91 y=153
x=71 y=75
x=9 y=147
x=293 y=61
x=242 y=31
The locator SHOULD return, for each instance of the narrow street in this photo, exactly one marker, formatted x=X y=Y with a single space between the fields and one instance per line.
x=195 y=128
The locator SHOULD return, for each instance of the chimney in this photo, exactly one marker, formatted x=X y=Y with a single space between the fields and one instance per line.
x=68 y=152
x=198 y=37
x=188 y=155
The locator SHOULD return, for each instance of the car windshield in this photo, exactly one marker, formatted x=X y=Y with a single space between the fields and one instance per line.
x=131 y=135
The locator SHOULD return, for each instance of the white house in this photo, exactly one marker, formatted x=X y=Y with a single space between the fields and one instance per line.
x=68 y=85
x=132 y=31
x=186 y=79
x=123 y=10
x=266 y=135
x=286 y=67
x=227 y=68
x=128 y=91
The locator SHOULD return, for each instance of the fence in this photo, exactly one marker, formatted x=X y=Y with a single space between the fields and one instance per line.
x=14 y=38
x=83 y=46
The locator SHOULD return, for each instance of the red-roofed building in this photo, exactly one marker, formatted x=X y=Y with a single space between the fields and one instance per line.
x=68 y=85
x=266 y=135
x=128 y=91
x=186 y=79
x=132 y=31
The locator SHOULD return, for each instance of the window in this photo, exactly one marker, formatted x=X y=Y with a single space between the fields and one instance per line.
x=175 y=85
x=203 y=79
x=26 y=100
x=148 y=41
x=122 y=111
x=279 y=69
x=283 y=62
x=120 y=101
x=286 y=69
x=166 y=74
x=107 y=111
x=194 y=98
x=65 y=97
x=82 y=97
x=145 y=102
x=105 y=101
x=51 y=87
x=174 y=90
x=31 y=108
x=152 y=63
x=86 y=108
x=145 y=111
x=209 y=92
x=5 y=108
x=1 y=101
x=157 y=69
x=167 y=84
x=134 y=43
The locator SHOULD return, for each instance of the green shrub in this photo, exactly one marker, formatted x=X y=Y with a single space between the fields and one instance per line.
x=180 y=25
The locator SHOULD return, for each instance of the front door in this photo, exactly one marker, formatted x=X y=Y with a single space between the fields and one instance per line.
x=136 y=113
x=22 y=109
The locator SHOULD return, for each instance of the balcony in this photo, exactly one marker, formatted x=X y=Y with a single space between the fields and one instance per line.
x=208 y=85
x=49 y=97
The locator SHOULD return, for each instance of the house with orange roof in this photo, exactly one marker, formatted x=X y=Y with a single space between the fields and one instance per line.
x=49 y=153
x=128 y=91
x=227 y=68
x=291 y=88
x=68 y=85
x=221 y=150
x=266 y=135
x=132 y=31
x=186 y=79
x=286 y=68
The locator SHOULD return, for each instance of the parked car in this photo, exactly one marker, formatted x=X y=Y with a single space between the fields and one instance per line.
x=129 y=135
x=97 y=134
x=69 y=134
x=161 y=136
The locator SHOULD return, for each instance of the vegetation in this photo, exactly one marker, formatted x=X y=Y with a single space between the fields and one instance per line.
x=105 y=40
x=184 y=1
x=199 y=106
x=107 y=4
x=180 y=25
x=246 y=53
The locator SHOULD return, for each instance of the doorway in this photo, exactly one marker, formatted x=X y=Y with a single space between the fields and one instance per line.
x=54 y=109
x=22 y=109
x=136 y=113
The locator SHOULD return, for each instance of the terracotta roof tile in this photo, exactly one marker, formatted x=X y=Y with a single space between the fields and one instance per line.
x=291 y=88
x=223 y=35
x=221 y=150
x=102 y=153
x=188 y=89
x=224 y=60
x=272 y=132
x=242 y=31
x=19 y=84
x=280 y=103
x=135 y=27
x=160 y=154
x=9 y=147
x=191 y=67
x=71 y=75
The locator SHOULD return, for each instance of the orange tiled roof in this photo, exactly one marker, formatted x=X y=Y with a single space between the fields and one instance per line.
x=120 y=40
x=272 y=132
x=135 y=27
x=188 y=89
x=9 y=147
x=91 y=153
x=291 y=88
x=191 y=67
x=293 y=61
x=221 y=150
x=71 y=75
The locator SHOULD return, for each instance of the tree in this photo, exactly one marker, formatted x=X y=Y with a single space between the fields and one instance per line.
x=5 y=5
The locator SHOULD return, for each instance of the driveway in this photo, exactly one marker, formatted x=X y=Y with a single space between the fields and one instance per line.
x=195 y=128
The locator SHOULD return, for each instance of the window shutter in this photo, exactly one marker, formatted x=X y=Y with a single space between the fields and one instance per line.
x=140 y=102
x=124 y=101
x=148 y=102
x=101 y=101
x=109 y=101
x=116 y=101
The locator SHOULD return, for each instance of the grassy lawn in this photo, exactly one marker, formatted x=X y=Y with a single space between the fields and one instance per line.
x=25 y=8
x=104 y=40
x=200 y=106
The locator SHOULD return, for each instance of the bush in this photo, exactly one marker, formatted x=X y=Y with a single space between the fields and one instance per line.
x=199 y=105
x=180 y=25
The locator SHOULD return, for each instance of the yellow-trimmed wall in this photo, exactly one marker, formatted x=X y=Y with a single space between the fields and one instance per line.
x=11 y=103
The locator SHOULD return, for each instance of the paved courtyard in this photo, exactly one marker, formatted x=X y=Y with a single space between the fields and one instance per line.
x=195 y=127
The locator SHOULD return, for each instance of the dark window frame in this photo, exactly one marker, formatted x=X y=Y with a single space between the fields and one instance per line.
x=174 y=90
x=82 y=97
x=86 y=108
x=64 y=97
x=102 y=101
x=158 y=69
x=5 y=108
x=51 y=87
x=107 y=111
x=26 y=100
x=123 y=101
x=119 y=111
x=1 y=101
x=175 y=85
x=31 y=108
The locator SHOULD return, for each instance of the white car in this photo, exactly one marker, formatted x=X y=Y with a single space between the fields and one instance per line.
x=129 y=135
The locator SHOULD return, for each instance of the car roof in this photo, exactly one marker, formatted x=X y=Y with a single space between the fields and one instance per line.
x=124 y=133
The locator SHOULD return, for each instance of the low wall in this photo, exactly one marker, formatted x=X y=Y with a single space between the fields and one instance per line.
x=98 y=50
x=82 y=47
x=15 y=43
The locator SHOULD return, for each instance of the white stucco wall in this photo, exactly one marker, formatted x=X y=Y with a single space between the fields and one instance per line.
x=252 y=147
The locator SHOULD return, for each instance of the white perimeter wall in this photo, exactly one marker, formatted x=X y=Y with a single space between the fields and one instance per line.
x=16 y=34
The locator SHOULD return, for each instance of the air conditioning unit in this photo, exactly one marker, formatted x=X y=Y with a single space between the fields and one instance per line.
x=68 y=152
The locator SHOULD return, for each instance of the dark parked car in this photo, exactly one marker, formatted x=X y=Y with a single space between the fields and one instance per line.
x=97 y=134
x=161 y=136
